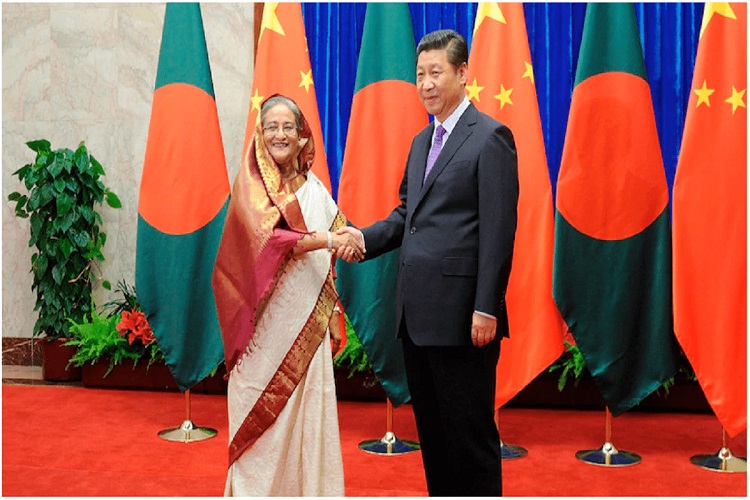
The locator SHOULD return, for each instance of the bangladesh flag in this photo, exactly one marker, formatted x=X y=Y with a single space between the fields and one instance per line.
x=612 y=260
x=374 y=160
x=183 y=200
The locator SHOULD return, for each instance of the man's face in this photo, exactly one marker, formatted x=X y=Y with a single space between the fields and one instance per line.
x=439 y=83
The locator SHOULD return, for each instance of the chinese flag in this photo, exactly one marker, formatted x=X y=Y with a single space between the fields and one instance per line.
x=282 y=66
x=710 y=217
x=501 y=84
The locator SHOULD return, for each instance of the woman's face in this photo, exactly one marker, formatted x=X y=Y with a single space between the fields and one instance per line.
x=280 y=134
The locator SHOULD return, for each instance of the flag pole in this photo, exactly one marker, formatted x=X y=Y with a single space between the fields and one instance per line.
x=608 y=455
x=389 y=444
x=721 y=461
x=187 y=432
x=508 y=451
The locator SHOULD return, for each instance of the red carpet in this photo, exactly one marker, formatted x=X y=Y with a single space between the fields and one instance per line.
x=63 y=441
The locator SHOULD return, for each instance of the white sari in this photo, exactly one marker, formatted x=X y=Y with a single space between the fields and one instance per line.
x=299 y=454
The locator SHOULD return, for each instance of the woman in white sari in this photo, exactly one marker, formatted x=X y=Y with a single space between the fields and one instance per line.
x=274 y=288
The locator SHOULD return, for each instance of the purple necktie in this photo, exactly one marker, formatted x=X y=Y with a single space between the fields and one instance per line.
x=435 y=151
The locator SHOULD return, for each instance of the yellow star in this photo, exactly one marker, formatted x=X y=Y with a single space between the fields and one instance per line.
x=504 y=96
x=474 y=90
x=721 y=8
x=270 y=21
x=529 y=72
x=491 y=10
x=256 y=100
x=306 y=80
x=736 y=99
x=703 y=93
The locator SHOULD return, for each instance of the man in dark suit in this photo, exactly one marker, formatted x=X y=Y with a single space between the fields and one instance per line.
x=455 y=226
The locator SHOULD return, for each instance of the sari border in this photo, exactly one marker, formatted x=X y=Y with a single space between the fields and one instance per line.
x=293 y=367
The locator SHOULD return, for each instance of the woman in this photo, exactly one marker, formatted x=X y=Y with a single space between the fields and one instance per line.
x=275 y=295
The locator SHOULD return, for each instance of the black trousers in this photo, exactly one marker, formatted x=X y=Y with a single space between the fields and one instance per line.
x=453 y=397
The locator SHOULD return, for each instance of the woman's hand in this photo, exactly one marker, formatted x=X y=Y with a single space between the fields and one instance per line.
x=335 y=329
x=347 y=245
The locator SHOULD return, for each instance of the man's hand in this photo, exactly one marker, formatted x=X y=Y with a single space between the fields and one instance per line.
x=347 y=252
x=483 y=329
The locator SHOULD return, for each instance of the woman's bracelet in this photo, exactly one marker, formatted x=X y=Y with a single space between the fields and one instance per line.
x=330 y=240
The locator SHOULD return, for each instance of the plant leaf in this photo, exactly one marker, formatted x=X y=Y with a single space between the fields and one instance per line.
x=58 y=274
x=80 y=238
x=96 y=166
x=21 y=172
x=56 y=166
x=87 y=213
x=64 y=203
x=81 y=158
x=66 y=247
x=46 y=194
x=39 y=145
x=59 y=185
x=112 y=199
x=36 y=222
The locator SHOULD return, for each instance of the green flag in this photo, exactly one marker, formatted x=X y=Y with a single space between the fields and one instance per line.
x=182 y=204
x=612 y=259
x=385 y=94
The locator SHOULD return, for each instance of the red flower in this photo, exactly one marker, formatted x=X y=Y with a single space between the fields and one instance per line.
x=134 y=325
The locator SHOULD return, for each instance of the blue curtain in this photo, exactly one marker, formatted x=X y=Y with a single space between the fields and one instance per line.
x=669 y=36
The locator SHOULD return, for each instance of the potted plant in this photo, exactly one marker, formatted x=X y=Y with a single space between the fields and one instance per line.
x=114 y=343
x=360 y=383
x=573 y=367
x=64 y=189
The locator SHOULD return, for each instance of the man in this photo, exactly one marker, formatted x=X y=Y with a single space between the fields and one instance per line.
x=455 y=225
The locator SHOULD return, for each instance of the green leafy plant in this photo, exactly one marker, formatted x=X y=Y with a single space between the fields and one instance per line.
x=96 y=337
x=64 y=188
x=123 y=333
x=354 y=357
x=572 y=365
x=128 y=301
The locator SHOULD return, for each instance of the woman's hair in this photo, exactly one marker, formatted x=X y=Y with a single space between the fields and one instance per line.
x=280 y=99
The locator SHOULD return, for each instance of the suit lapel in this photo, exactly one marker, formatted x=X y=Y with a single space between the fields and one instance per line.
x=458 y=136
x=419 y=163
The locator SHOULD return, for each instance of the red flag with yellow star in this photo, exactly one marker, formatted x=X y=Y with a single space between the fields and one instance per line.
x=282 y=66
x=710 y=217
x=501 y=84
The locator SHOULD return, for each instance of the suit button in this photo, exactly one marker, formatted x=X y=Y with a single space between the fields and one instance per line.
x=412 y=230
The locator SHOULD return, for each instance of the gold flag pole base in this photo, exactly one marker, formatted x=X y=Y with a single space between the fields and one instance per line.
x=389 y=444
x=608 y=455
x=187 y=432
x=722 y=460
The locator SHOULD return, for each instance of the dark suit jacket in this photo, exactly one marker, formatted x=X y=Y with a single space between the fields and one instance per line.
x=456 y=231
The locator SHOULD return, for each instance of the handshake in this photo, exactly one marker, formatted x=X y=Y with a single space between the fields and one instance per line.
x=348 y=244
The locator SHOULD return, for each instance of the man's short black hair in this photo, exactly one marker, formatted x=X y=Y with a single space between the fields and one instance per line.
x=458 y=51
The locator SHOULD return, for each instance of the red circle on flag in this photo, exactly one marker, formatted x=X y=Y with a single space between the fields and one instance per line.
x=612 y=183
x=185 y=181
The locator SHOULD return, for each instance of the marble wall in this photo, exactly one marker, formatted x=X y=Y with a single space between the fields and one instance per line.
x=86 y=72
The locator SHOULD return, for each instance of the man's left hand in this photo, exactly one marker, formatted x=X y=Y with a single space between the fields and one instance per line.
x=483 y=329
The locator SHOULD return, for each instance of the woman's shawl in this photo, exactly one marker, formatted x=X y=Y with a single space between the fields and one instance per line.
x=263 y=223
